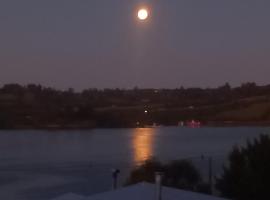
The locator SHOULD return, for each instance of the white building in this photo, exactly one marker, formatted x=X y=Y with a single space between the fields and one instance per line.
x=142 y=191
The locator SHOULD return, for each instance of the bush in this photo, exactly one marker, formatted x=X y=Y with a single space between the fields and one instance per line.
x=247 y=177
x=145 y=172
x=179 y=174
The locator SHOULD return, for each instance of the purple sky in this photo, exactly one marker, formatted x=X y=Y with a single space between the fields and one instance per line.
x=100 y=43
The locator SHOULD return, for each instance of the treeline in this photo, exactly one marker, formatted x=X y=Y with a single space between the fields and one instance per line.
x=36 y=106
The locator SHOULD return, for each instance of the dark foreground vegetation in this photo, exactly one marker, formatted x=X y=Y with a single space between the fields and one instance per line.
x=181 y=174
x=245 y=177
x=35 y=106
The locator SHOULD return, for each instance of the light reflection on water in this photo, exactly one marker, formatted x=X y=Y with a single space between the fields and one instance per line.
x=40 y=165
x=143 y=144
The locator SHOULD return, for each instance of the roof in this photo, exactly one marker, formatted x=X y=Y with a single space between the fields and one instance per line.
x=70 y=196
x=143 y=191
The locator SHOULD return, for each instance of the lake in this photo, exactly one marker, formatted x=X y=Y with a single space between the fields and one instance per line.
x=41 y=165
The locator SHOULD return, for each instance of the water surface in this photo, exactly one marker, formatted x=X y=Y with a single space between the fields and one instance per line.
x=45 y=164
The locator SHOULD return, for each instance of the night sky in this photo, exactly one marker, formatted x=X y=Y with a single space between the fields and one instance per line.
x=101 y=43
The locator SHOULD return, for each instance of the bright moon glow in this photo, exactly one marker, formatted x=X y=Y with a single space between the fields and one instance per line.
x=142 y=14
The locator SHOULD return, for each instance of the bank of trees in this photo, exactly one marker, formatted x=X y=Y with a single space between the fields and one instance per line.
x=38 y=106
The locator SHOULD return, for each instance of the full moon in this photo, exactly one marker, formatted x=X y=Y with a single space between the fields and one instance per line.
x=142 y=14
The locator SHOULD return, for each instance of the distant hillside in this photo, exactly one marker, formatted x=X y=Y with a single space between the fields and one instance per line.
x=251 y=112
x=36 y=106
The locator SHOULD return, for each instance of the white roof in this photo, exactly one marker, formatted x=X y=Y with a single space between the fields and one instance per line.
x=70 y=196
x=143 y=191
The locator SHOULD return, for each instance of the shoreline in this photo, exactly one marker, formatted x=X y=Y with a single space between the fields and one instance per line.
x=204 y=125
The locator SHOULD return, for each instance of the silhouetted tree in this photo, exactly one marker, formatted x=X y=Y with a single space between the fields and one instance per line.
x=146 y=172
x=180 y=174
x=247 y=177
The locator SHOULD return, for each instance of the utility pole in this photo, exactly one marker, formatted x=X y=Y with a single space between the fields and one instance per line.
x=159 y=176
x=210 y=173
x=115 y=173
